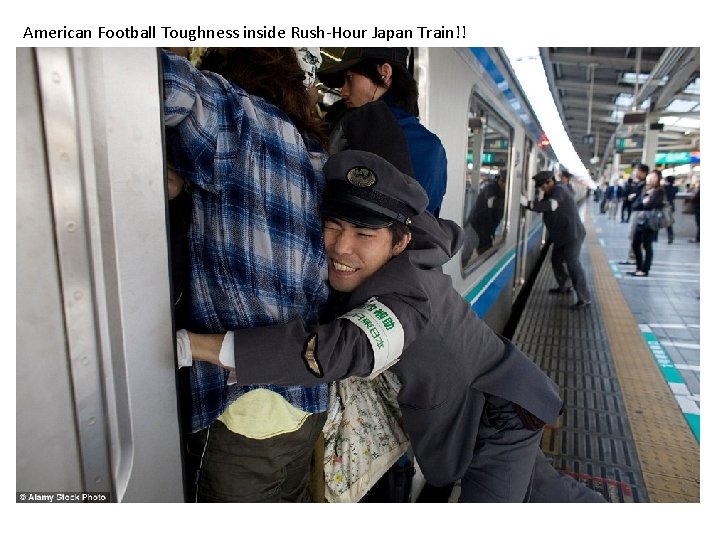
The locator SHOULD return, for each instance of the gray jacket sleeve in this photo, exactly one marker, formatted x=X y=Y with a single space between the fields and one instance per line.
x=364 y=341
x=295 y=353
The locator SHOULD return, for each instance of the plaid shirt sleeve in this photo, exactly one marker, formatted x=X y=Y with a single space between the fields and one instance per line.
x=256 y=250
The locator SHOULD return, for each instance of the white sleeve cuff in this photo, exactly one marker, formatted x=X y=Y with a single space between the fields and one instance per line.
x=227 y=351
x=184 y=353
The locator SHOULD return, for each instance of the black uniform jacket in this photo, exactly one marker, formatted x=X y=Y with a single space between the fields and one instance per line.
x=561 y=219
x=450 y=358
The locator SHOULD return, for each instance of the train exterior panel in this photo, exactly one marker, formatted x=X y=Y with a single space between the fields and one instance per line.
x=96 y=390
x=459 y=79
x=96 y=398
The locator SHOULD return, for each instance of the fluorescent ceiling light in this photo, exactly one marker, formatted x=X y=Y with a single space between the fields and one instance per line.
x=530 y=73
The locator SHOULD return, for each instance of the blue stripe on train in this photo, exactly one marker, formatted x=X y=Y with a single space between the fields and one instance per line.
x=484 y=58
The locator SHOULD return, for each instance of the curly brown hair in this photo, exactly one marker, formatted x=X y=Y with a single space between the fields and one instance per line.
x=272 y=73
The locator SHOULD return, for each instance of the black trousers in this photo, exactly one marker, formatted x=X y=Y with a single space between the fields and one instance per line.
x=643 y=240
x=569 y=255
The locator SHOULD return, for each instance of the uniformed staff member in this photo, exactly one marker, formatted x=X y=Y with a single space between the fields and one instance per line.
x=473 y=405
x=566 y=233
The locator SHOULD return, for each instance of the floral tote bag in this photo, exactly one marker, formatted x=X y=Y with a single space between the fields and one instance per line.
x=363 y=435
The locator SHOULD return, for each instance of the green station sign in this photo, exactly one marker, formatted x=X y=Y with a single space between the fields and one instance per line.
x=676 y=158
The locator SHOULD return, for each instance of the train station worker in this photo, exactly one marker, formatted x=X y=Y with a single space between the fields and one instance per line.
x=366 y=74
x=472 y=404
x=566 y=232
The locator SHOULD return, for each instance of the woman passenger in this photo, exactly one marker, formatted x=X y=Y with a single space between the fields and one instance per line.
x=365 y=75
x=652 y=197
x=242 y=135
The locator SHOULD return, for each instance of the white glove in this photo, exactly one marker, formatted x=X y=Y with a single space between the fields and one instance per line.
x=523 y=201
x=184 y=352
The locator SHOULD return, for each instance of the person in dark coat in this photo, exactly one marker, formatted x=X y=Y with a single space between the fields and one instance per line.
x=566 y=232
x=612 y=198
x=366 y=74
x=472 y=404
x=671 y=190
x=565 y=180
x=696 y=210
x=651 y=197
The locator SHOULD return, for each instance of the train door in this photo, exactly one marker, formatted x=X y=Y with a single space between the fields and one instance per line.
x=96 y=400
x=522 y=231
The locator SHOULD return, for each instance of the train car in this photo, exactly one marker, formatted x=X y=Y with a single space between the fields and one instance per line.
x=97 y=400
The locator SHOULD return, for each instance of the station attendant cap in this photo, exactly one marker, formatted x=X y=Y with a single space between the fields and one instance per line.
x=542 y=177
x=368 y=191
x=333 y=76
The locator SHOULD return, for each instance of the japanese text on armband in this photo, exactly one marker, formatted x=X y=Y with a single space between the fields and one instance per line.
x=382 y=328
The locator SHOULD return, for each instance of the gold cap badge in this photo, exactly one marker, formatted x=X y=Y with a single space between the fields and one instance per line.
x=361 y=177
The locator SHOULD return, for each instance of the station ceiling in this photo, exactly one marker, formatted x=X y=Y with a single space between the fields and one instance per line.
x=596 y=88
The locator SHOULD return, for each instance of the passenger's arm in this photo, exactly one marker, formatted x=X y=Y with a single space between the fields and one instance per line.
x=191 y=116
x=656 y=200
x=183 y=89
x=207 y=347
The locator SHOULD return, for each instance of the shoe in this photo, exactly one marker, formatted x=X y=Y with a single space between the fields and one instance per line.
x=693 y=241
x=640 y=273
x=670 y=241
x=580 y=304
x=626 y=262
x=560 y=290
x=631 y=272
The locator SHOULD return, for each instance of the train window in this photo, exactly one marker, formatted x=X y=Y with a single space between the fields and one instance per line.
x=489 y=147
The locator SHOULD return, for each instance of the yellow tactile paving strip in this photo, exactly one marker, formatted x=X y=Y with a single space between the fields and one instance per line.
x=668 y=452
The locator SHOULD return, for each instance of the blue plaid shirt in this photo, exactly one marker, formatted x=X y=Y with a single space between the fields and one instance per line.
x=256 y=249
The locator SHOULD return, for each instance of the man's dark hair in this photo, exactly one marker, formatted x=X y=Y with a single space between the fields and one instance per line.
x=644 y=168
x=398 y=231
x=272 y=73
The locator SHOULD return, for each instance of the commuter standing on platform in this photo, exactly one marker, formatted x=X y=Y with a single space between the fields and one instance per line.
x=631 y=194
x=668 y=183
x=613 y=196
x=376 y=73
x=565 y=178
x=242 y=136
x=651 y=197
x=566 y=232
x=627 y=188
x=696 y=210
x=634 y=186
x=473 y=405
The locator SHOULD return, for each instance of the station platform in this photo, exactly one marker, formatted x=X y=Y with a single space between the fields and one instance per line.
x=628 y=366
